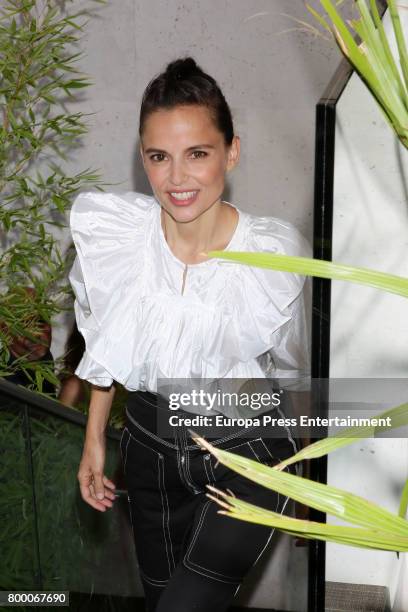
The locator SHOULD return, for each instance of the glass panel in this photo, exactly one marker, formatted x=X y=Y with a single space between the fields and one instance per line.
x=80 y=548
x=19 y=563
x=51 y=539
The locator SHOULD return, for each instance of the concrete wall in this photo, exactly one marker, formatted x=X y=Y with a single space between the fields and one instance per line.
x=369 y=328
x=272 y=79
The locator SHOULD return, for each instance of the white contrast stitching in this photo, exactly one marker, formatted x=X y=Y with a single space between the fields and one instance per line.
x=126 y=452
x=167 y=514
x=269 y=538
x=249 y=444
x=288 y=430
x=266 y=448
x=273 y=530
x=218 y=441
x=149 y=433
x=143 y=444
x=120 y=442
x=211 y=468
x=153 y=581
x=163 y=514
x=205 y=458
x=187 y=559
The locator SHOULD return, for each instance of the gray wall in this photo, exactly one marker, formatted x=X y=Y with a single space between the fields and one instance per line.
x=272 y=79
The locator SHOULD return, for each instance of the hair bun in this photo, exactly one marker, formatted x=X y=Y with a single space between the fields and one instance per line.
x=182 y=69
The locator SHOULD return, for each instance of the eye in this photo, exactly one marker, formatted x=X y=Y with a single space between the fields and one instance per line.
x=157 y=157
x=199 y=154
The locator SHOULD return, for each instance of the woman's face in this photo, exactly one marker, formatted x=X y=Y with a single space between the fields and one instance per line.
x=186 y=159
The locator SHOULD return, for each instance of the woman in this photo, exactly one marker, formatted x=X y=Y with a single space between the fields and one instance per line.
x=152 y=307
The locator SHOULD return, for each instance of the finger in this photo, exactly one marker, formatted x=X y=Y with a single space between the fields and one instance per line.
x=87 y=497
x=105 y=501
x=109 y=483
x=92 y=491
x=109 y=495
x=99 y=487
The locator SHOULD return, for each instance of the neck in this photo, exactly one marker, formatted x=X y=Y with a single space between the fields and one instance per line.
x=190 y=241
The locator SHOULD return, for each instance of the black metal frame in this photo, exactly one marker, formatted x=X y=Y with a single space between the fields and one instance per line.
x=321 y=303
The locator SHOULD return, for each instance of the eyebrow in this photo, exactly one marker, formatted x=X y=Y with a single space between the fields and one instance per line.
x=199 y=146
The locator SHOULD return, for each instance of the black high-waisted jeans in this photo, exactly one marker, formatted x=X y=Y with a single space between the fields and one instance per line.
x=190 y=557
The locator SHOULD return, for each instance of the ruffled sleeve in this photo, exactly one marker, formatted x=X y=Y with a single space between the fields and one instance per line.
x=108 y=231
x=279 y=301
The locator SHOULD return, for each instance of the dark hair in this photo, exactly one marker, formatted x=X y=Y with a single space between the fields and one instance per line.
x=74 y=351
x=185 y=83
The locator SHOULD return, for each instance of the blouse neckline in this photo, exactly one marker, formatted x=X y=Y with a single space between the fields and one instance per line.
x=234 y=241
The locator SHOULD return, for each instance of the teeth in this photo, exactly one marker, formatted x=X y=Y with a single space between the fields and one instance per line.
x=185 y=195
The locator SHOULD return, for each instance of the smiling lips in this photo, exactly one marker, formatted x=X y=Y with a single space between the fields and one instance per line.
x=182 y=198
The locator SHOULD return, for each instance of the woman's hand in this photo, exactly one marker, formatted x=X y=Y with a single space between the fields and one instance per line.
x=96 y=489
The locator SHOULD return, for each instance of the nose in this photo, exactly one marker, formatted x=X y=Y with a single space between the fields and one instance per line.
x=177 y=173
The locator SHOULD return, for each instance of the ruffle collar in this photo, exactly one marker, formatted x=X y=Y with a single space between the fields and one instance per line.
x=128 y=305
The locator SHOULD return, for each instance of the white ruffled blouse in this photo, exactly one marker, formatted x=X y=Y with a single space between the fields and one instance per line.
x=231 y=320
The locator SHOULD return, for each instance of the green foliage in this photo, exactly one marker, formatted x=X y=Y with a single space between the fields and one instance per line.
x=377 y=528
x=38 y=77
x=385 y=76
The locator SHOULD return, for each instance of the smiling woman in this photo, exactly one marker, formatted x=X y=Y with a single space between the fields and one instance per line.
x=152 y=307
x=187 y=174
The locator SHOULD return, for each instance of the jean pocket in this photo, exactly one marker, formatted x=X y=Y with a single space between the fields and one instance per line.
x=253 y=448
x=265 y=450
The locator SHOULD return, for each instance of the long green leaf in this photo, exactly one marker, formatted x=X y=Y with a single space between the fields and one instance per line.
x=318 y=267
x=388 y=87
x=349 y=45
x=398 y=416
x=399 y=35
x=331 y=500
x=380 y=64
x=402 y=510
x=373 y=60
x=339 y=534
x=387 y=49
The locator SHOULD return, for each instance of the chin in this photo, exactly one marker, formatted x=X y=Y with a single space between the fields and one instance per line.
x=185 y=214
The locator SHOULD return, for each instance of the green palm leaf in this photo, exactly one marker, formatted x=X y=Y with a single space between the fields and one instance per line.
x=398 y=418
x=317 y=267
x=372 y=57
x=381 y=529
x=352 y=536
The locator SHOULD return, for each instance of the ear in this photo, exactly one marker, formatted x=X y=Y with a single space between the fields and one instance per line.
x=233 y=153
